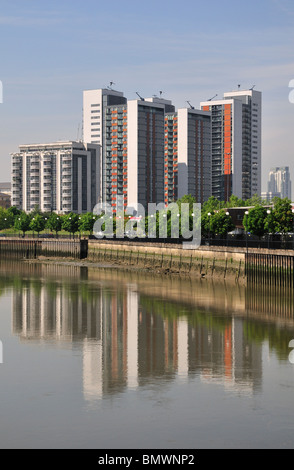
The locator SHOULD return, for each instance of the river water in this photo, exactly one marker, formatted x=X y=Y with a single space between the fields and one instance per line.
x=108 y=359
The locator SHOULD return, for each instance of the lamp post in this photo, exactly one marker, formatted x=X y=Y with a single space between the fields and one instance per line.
x=246 y=213
x=268 y=232
x=227 y=214
x=209 y=215
x=80 y=218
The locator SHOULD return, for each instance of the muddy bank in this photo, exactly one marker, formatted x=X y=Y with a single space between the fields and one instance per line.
x=199 y=269
x=200 y=263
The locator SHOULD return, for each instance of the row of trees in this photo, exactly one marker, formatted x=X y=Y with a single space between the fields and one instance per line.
x=259 y=219
x=278 y=219
x=37 y=221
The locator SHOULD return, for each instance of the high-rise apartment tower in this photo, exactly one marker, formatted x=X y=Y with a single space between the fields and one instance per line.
x=236 y=144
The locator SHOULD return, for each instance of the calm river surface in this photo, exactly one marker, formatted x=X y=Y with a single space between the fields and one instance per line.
x=106 y=359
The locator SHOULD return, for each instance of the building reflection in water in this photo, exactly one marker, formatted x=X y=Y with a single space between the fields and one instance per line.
x=129 y=336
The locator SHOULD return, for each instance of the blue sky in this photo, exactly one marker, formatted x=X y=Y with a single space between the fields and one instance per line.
x=190 y=50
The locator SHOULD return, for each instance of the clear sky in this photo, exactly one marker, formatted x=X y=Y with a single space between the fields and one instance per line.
x=190 y=49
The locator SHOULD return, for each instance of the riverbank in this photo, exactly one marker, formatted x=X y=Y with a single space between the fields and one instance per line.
x=236 y=265
x=209 y=269
x=166 y=258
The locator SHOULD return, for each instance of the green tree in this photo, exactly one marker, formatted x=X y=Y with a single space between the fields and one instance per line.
x=255 y=221
x=186 y=219
x=14 y=212
x=37 y=223
x=275 y=200
x=86 y=222
x=282 y=216
x=187 y=199
x=70 y=223
x=212 y=204
x=36 y=211
x=6 y=219
x=270 y=223
x=22 y=223
x=206 y=228
x=235 y=201
x=216 y=223
x=54 y=222
x=255 y=200
x=221 y=223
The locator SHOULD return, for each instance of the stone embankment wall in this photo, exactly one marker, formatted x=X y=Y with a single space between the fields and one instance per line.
x=18 y=248
x=202 y=262
x=238 y=264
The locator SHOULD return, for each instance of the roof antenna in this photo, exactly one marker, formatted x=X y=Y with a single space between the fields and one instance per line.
x=212 y=97
x=143 y=99
x=110 y=85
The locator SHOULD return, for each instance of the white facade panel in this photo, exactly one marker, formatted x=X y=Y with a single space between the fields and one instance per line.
x=132 y=153
x=182 y=152
x=92 y=114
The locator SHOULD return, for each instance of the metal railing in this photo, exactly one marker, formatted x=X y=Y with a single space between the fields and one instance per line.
x=272 y=243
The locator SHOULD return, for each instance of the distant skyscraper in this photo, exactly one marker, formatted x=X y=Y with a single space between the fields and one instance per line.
x=236 y=144
x=269 y=196
x=279 y=181
x=60 y=176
